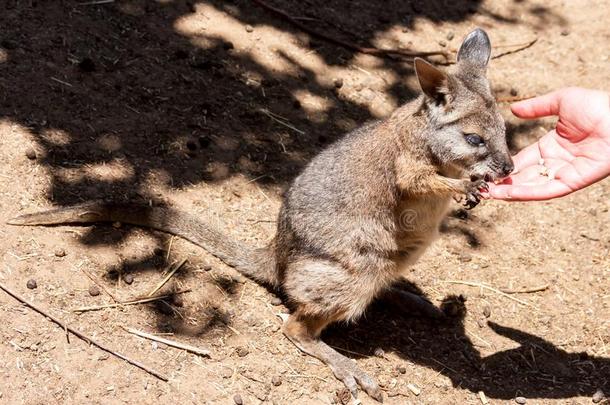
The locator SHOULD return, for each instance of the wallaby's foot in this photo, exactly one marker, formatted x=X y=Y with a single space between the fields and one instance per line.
x=412 y=304
x=304 y=332
x=473 y=192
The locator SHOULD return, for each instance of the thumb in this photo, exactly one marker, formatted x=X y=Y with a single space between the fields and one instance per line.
x=536 y=107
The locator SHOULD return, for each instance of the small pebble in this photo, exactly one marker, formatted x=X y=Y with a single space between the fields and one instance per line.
x=249 y=28
x=465 y=257
x=487 y=311
x=450 y=36
x=237 y=399
x=207 y=267
x=60 y=252
x=513 y=92
x=379 y=352
x=128 y=278
x=181 y=54
x=31 y=284
x=8 y=44
x=276 y=301
x=565 y=32
x=94 y=291
x=442 y=43
x=226 y=372
x=30 y=154
x=242 y=351
x=276 y=380
x=86 y=65
x=238 y=278
x=402 y=369
x=190 y=145
x=520 y=400
x=598 y=396
x=178 y=301
x=204 y=142
x=338 y=82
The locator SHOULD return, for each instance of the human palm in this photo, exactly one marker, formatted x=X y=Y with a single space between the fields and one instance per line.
x=573 y=155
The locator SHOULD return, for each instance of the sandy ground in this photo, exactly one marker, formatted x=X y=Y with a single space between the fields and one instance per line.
x=213 y=107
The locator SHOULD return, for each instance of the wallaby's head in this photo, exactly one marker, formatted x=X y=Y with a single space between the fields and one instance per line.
x=464 y=131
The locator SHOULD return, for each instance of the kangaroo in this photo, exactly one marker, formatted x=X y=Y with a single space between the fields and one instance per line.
x=362 y=211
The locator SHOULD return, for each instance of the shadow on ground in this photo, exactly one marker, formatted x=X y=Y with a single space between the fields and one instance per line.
x=534 y=369
x=108 y=83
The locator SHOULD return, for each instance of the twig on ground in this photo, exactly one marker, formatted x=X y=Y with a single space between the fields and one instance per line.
x=82 y=335
x=166 y=278
x=520 y=47
x=61 y=81
x=168 y=342
x=389 y=53
x=277 y=119
x=525 y=290
x=96 y=2
x=132 y=302
x=480 y=285
x=306 y=376
x=169 y=248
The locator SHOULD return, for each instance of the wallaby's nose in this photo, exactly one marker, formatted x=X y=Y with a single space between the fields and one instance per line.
x=508 y=167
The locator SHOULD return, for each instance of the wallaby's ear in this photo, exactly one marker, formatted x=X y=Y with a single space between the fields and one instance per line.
x=476 y=49
x=433 y=81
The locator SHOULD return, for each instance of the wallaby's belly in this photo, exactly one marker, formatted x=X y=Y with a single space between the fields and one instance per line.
x=418 y=223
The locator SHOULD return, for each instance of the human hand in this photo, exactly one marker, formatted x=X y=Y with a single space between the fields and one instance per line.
x=572 y=156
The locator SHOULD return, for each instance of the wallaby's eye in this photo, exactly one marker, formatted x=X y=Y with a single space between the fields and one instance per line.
x=474 y=140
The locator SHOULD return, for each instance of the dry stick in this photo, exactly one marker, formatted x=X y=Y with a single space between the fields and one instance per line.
x=275 y=118
x=168 y=342
x=518 y=49
x=473 y=284
x=132 y=302
x=526 y=290
x=166 y=278
x=345 y=44
x=82 y=335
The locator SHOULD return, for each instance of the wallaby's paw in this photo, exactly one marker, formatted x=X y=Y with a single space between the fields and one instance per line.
x=352 y=376
x=474 y=190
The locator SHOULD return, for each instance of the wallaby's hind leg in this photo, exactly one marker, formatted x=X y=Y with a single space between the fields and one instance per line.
x=412 y=304
x=304 y=332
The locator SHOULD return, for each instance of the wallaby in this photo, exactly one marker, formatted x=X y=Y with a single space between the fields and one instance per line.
x=362 y=210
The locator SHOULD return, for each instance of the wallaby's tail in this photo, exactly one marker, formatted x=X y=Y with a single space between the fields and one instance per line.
x=256 y=263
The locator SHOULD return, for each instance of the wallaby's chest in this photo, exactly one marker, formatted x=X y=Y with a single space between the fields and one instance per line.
x=417 y=226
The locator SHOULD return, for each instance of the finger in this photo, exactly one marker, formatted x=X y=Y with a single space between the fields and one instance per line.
x=541 y=106
x=531 y=192
x=528 y=156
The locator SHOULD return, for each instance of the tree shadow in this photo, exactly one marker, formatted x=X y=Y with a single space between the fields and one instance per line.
x=535 y=369
x=117 y=85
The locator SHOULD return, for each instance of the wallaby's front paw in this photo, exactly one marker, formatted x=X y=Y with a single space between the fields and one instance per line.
x=473 y=193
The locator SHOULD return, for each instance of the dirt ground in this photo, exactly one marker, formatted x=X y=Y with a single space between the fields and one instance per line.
x=213 y=107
